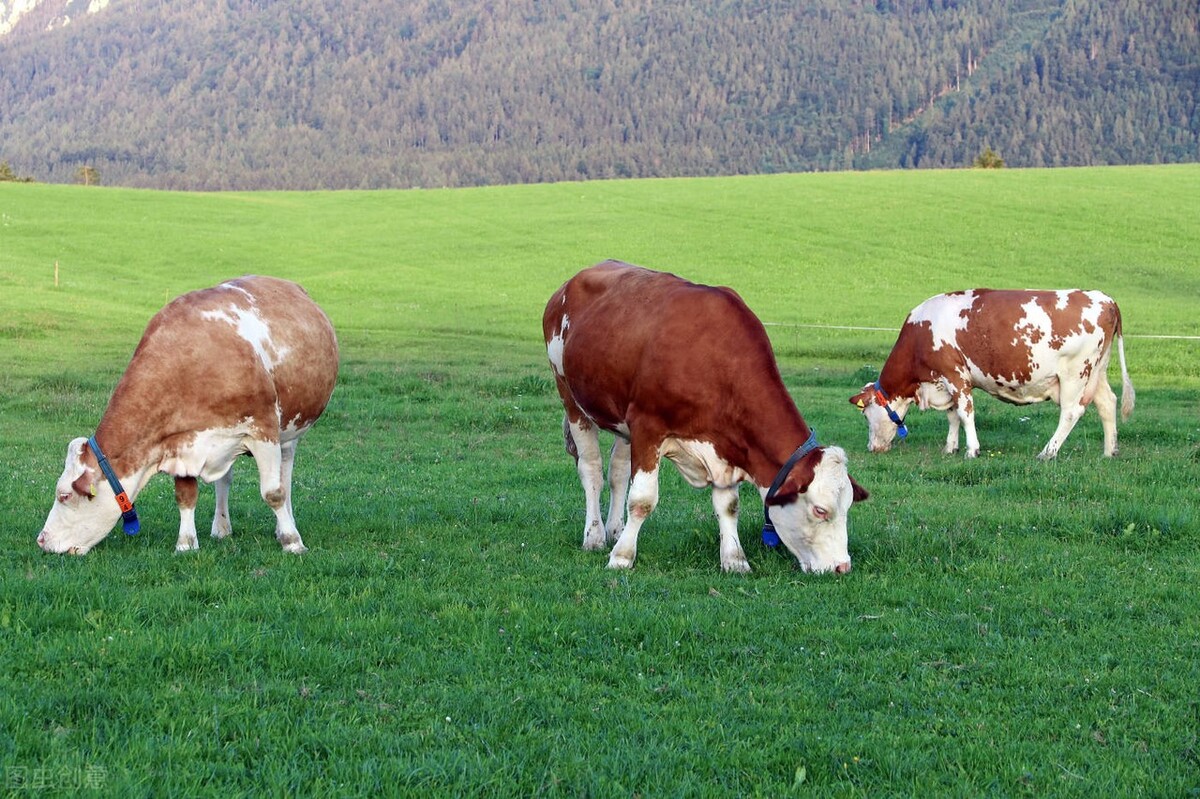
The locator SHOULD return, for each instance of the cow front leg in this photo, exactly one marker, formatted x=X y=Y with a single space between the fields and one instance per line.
x=585 y=439
x=725 y=505
x=269 y=456
x=952 y=437
x=964 y=407
x=643 y=498
x=222 y=527
x=186 y=491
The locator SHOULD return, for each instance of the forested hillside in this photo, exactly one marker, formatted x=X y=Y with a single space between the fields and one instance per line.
x=247 y=94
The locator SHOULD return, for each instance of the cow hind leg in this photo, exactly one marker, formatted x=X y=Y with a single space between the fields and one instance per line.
x=643 y=498
x=1069 y=413
x=186 y=491
x=725 y=505
x=222 y=527
x=619 y=470
x=583 y=441
x=270 y=458
x=1106 y=406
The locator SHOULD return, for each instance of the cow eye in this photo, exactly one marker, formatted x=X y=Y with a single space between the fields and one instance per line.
x=820 y=512
x=64 y=496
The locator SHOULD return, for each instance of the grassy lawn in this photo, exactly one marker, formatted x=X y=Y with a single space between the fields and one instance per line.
x=1010 y=628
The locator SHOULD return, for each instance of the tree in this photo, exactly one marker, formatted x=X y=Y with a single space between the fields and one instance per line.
x=8 y=176
x=989 y=159
x=88 y=176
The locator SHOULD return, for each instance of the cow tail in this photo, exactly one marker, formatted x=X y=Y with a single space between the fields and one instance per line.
x=1128 y=397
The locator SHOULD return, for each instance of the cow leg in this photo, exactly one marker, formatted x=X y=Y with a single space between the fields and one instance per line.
x=725 y=505
x=222 y=527
x=186 y=491
x=287 y=464
x=964 y=407
x=1106 y=406
x=643 y=497
x=952 y=437
x=269 y=457
x=1070 y=410
x=619 y=469
x=586 y=440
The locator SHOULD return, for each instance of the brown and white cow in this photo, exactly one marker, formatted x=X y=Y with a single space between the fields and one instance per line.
x=686 y=372
x=1019 y=346
x=245 y=367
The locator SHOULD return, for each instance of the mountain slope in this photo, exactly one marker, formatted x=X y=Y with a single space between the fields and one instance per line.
x=247 y=94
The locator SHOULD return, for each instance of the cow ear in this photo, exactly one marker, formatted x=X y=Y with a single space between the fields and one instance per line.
x=785 y=496
x=85 y=486
x=76 y=473
x=860 y=494
x=862 y=398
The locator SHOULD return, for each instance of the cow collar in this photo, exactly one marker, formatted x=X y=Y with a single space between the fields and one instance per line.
x=769 y=536
x=128 y=513
x=882 y=399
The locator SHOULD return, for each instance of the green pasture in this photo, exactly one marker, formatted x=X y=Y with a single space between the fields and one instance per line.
x=1010 y=627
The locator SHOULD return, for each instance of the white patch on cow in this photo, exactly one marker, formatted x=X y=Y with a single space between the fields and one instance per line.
x=210 y=454
x=554 y=347
x=814 y=526
x=700 y=464
x=945 y=317
x=254 y=330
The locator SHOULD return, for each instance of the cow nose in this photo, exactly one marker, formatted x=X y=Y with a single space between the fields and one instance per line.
x=41 y=539
x=842 y=568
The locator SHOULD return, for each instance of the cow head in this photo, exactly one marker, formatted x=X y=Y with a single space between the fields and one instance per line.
x=84 y=509
x=811 y=508
x=884 y=416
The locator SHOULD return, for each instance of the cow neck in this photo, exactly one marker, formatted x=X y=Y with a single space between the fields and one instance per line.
x=124 y=434
x=776 y=444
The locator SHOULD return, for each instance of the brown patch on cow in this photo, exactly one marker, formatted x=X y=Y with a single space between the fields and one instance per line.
x=1065 y=321
x=186 y=492
x=914 y=360
x=997 y=339
x=191 y=373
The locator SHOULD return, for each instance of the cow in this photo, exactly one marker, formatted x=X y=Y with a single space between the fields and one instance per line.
x=245 y=367
x=1019 y=346
x=685 y=372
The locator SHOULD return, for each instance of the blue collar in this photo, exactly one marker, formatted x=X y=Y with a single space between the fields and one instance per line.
x=128 y=513
x=769 y=536
x=881 y=398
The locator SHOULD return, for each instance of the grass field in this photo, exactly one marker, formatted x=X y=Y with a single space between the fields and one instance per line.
x=1010 y=628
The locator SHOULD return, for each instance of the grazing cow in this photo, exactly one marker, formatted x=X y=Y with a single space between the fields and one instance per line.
x=245 y=367
x=686 y=372
x=1019 y=346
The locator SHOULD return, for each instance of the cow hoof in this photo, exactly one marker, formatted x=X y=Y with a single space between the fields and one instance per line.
x=1046 y=456
x=292 y=543
x=187 y=546
x=972 y=453
x=595 y=544
x=736 y=566
x=616 y=561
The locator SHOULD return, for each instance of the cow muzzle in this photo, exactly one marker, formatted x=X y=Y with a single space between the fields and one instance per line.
x=44 y=543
